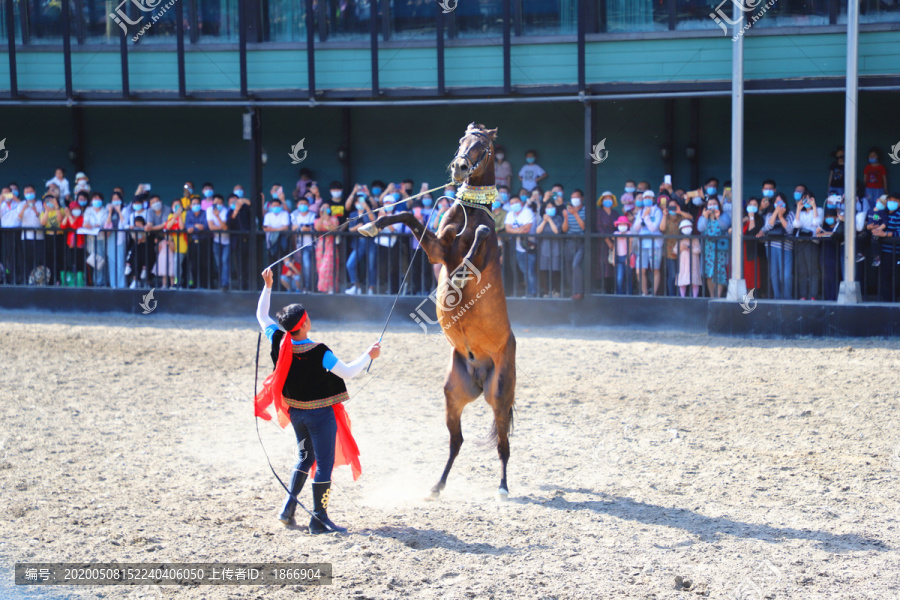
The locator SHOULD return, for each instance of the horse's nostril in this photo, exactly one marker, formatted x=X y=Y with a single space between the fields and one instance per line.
x=462 y=168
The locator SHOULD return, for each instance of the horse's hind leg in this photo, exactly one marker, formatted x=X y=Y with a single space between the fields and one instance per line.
x=500 y=393
x=459 y=390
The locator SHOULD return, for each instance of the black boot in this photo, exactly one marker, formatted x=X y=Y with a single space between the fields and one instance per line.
x=320 y=523
x=287 y=511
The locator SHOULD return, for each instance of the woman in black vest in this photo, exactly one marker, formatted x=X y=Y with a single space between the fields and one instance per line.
x=307 y=389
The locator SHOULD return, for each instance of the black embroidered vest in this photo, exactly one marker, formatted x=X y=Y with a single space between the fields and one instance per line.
x=309 y=384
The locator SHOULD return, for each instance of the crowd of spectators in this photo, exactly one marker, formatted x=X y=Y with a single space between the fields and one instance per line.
x=667 y=241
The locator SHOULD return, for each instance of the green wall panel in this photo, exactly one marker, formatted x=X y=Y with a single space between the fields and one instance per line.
x=277 y=69
x=212 y=70
x=153 y=70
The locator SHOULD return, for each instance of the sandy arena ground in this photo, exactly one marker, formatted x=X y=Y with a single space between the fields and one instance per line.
x=745 y=469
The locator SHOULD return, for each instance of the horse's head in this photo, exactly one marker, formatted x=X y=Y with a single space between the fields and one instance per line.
x=475 y=154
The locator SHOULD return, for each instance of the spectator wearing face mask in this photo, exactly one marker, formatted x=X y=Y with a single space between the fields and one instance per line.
x=751 y=228
x=622 y=252
x=54 y=241
x=673 y=217
x=713 y=223
x=303 y=221
x=889 y=235
x=831 y=235
x=198 y=244
x=574 y=249
x=807 y=222
x=72 y=221
x=116 y=241
x=531 y=173
x=95 y=217
x=519 y=221
x=188 y=194
x=207 y=200
x=362 y=249
x=217 y=223
x=32 y=238
x=276 y=225
x=778 y=227
x=647 y=221
x=81 y=183
x=9 y=219
x=606 y=216
x=303 y=183
x=388 y=247
x=239 y=224
x=157 y=215
x=325 y=262
x=875 y=176
x=550 y=251
x=171 y=249
x=689 y=273
x=335 y=200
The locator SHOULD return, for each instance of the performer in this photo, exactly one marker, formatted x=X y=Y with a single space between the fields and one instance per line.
x=307 y=389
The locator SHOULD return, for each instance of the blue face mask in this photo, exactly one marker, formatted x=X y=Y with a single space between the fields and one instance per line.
x=873 y=160
x=195 y=208
x=376 y=190
x=97 y=203
x=231 y=205
x=530 y=160
x=673 y=211
x=396 y=196
x=82 y=202
x=710 y=191
x=648 y=203
x=515 y=207
x=768 y=193
x=327 y=210
x=879 y=205
x=239 y=193
x=504 y=197
x=523 y=198
x=29 y=196
x=427 y=202
x=607 y=203
x=798 y=195
x=892 y=205
x=304 y=208
x=806 y=205
x=697 y=201
x=275 y=209
x=779 y=204
x=629 y=189
x=551 y=211
x=451 y=194
x=116 y=203
x=208 y=193
x=829 y=220
x=15 y=193
x=752 y=209
x=496 y=204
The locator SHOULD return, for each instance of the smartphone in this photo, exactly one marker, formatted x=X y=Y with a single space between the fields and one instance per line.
x=146 y=187
x=424 y=186
x=667 y=179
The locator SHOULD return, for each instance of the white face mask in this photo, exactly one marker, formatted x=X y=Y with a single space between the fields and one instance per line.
x=576 y=202
x=686 y=231
x=623 y=228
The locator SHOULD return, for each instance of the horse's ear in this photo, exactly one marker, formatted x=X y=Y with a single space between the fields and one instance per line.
x=492 y=133
x=471 y=126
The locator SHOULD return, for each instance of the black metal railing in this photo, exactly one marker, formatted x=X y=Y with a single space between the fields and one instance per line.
x=533 y=265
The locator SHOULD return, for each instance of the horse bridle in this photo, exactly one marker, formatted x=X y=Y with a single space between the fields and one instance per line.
x=485 y=153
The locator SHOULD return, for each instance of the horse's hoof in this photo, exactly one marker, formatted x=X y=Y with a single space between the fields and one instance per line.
x=502 y=495
x=433 y=496
x=368 y=230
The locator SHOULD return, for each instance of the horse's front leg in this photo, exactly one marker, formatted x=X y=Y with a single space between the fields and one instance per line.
x=461 y=275
x=433 y=247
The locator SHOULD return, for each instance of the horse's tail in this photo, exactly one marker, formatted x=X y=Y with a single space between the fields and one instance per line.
x=490 y=441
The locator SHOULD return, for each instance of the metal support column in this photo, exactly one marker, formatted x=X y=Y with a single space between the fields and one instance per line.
x=850 y=292
x=590 y=194
x=11 y=38
x=737 y=285
x=256 y=198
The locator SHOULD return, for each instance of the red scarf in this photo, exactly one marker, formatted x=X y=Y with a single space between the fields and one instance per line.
x=346 y=451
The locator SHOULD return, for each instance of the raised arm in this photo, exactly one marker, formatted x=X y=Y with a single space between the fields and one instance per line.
x=346 y=371
x=262 y=307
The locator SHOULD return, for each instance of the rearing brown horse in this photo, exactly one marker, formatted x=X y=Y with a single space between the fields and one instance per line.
x=471 y=303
